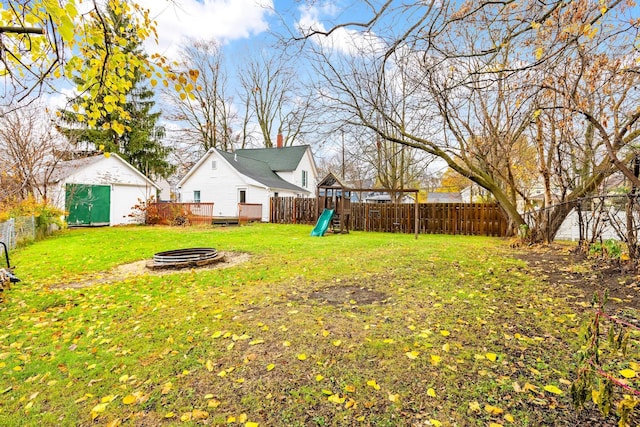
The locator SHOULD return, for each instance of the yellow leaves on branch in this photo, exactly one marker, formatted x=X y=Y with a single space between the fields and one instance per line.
x=103 y=66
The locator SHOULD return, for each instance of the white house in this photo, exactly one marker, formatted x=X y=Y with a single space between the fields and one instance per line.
x=250 y=176
x=100 y=190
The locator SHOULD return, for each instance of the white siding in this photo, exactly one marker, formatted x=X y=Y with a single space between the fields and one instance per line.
x=220 y=186
x=295 y=176
x=123 y=199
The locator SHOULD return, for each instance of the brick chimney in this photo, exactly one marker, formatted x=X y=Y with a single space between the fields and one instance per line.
x=279 y=141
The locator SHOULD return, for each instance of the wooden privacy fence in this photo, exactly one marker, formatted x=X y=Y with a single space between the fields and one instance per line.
x=169 y=213
x=293 y=210
x=484 y=219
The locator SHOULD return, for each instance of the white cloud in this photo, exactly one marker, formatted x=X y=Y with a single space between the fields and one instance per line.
x=223 y=20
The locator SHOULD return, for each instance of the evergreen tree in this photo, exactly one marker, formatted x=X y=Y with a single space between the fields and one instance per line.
x=140 y=142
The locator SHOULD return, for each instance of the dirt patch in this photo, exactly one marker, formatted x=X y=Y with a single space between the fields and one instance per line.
x=348 y=295
x=139 y=268
x=561 y=265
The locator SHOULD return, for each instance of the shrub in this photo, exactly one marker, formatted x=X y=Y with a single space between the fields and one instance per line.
x=45 y=215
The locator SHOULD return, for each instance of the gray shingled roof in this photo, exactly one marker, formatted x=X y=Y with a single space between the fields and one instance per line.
x=258 y=170
x=279 y=159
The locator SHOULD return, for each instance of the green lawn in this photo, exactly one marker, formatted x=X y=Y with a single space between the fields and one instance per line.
x=358 y=329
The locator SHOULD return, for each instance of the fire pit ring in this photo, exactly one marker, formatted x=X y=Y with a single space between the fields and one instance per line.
x=181 y=258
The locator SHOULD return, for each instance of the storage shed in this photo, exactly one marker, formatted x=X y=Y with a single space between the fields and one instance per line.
x=100 y=190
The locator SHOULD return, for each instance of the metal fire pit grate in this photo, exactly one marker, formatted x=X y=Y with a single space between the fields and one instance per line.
x=189 y=257
x=185 y=255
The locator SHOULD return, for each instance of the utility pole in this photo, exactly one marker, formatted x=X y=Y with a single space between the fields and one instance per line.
x=342 y=131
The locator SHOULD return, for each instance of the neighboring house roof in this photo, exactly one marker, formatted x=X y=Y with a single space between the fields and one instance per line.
x=283 y=159
x=444 y=198
x=386 y=198
x=259 y=171
x=65 y=169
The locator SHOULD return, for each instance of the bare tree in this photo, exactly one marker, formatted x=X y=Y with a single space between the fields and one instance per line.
x=473 y=74
x=30 y=149
x=206 y=119
x=275 y=98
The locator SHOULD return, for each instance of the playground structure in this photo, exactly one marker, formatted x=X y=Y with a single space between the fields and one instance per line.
x=333 y=195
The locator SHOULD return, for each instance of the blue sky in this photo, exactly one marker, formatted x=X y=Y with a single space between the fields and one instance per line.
x=233 y=23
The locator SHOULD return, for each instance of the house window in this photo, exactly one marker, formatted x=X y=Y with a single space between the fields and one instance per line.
x=275 y=194
x=242 y=196
x=214 y=165
x=305 y=179
x=196 y=196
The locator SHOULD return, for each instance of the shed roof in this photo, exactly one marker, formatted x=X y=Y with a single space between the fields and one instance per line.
x=66 y=168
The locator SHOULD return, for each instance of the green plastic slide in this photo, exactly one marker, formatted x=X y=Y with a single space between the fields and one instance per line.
x=323 y=223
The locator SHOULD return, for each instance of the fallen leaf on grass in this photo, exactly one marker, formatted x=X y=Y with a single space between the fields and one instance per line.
x=335 y=398
x=412 y=354
x=374 y=384
x=97 y=410
x=474 y=406
x=493 y=410
x=199 y=415
x=435 y=360
x=129 y=400
x=491 y=356
x=302 y=356
x=628 y=373
x=553 y=389
x=431 y=392
x=270 y=367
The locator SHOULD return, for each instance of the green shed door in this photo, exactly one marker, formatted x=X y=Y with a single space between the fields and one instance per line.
x=88 y=204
